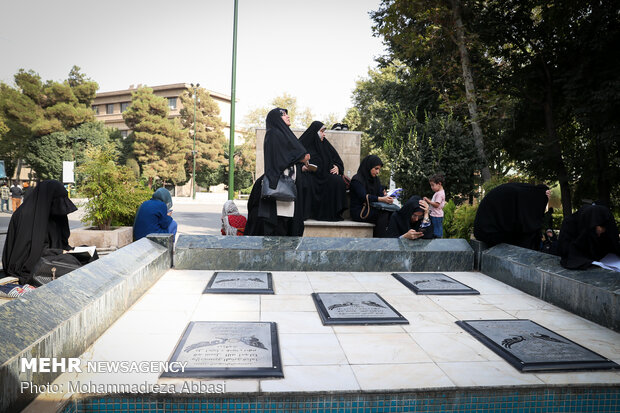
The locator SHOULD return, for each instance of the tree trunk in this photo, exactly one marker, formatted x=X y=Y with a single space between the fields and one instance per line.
x=601 y=178
x=470 y=91
x=555 y=154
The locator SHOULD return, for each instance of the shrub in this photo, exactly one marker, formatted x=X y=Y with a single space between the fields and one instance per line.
x=448 y=217
x=462 y=225
x=114 y=194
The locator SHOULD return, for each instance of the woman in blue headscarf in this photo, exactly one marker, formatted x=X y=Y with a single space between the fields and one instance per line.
x=154 y=216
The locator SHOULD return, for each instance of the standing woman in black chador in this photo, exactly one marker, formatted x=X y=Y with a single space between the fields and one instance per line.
x=327 y=189
x=365 y=188
x=283 y=154
x=38 y=228
x=512 y=213
x=588 y=235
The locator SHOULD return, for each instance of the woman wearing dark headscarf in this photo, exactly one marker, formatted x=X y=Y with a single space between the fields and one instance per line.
x=365 y=188
x=39 y=227
x=588 y=235
x=411 y=221
x=327 y=190
x=283 y=154
x=512 y=213
x=154 y=216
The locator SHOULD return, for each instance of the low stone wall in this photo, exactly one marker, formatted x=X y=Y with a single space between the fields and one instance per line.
x=593 y=293
x=63 y=318
x=208 y=252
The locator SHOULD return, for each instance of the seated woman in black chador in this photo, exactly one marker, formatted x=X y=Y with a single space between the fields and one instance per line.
x=365 y=188
x=38 y=228
x=283 y=154
x=588 y=235
x=327 y=191
x=512 y=213
x=411 y=221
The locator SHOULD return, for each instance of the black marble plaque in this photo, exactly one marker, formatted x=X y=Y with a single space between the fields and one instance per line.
x=528 y=346
x=228 y=349
x=433 y=284
x=355 y=309
x=240 y=282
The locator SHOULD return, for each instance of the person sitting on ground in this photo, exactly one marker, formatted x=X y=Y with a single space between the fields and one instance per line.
x=365 y=188
x=154 y=216
x=549 y=244
x=412 y=221
x=327 y=188
x=233 y=223
x=588 y=235
x=512 y=213
x=39 y=228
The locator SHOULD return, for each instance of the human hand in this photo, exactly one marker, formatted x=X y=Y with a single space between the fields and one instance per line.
x=306 y=158
x=304 y=168
x=427 y=200
x=170 y=213
x=413 y=234
x=548 y=193
x=334 y=170
x=424 y=204
x=386 y=199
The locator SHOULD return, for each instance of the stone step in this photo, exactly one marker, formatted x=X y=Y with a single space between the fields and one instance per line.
x=338 y=229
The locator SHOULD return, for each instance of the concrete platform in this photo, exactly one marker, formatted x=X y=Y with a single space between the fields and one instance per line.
x=344 y=229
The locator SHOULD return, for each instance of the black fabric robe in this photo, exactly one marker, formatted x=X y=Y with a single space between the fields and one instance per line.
x=400 y=221
x=512 y=213
x=362 y=184
x=327 y=192
x=281 y=150
x=254 y=226
x=38 y=225
x=578 y=243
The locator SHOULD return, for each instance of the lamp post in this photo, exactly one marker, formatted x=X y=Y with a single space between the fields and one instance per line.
x=233 y=90
x=194 y=150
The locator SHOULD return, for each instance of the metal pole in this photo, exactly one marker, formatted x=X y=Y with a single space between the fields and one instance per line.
x=231 y=150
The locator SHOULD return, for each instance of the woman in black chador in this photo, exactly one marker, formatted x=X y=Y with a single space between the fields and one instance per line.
x=513 y=214
x=366 y=187
x=327 y=191
x=411 y=221
x=283 y=154
x=588 y=235
x=39 y=227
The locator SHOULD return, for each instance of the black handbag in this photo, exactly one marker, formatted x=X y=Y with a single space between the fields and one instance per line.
x=285 y=190
x=51 y=267
x=384 y=206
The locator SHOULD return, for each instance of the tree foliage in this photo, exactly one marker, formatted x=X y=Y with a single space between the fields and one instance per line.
x=159 y=144
x=210 y=139
x=114 y=194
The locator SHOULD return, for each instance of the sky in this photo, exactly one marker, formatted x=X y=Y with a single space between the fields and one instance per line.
x=314 y=50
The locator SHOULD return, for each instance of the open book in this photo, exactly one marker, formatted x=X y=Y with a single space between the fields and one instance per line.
x=84 y=252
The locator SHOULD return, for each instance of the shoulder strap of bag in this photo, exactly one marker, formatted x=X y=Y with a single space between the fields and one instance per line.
x=367 y=207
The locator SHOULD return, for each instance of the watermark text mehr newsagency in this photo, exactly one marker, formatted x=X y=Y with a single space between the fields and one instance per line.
x=76 y=365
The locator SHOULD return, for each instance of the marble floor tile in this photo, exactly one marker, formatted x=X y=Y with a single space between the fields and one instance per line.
x=312 y=378
x=461 y=302
x=230 y=385
x=489 y=373
x=310 y=350
x=157 y=302
x=290 y=302
x=453 y=347
x=491 y=314
x=555 y=319
x=291 y=283
x=384 y=284
x=210 y=315
x=229 y=302
x=187 y=275
x=376 y=329
x=391 y=348
x=164 y=287
x=132 y=347
x=296 y=322
x=597 y=339
x=430 y=322
x=334 y=282
x=513 y=302
x=400 y=376
x=483 y=283
x=586 y=377
x=412 y=303
x=151 y=322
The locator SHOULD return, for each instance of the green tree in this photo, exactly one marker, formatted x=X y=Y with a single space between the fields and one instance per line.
x=301 y=118
x=33 y=109
x=160 y=144
x=114 y=194
x=210 y=139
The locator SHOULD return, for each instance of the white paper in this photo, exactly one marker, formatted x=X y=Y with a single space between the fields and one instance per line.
x=610 y=261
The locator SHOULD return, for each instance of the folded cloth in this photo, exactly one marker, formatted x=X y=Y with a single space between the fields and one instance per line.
x=14 y=290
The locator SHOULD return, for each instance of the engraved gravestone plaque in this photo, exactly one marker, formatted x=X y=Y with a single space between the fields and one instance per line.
x=228 y=349
x=528 y=346
x=433 y=284
x=355 y=309
x=240 y=283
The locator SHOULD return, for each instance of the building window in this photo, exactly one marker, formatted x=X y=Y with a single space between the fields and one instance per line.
x=172 y=103
x=109 y=108
x=95 y=109
x=124 y=134
x=124 y=106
